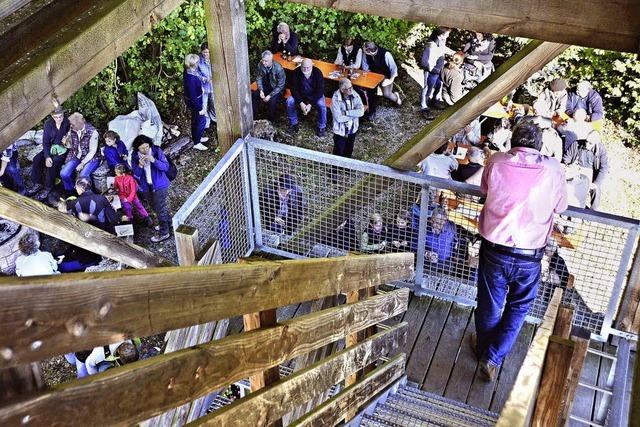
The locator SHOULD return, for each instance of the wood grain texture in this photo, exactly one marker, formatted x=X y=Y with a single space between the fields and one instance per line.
x=74 y=311
x=515 y=71
x=355 y=396
x=564 y=321
x=551 y=400
x=519 y=407
x=634 y=404
x=628 y=317
x=150 y=387
x=55 y=70
x=617 y=24
x=270 y=404
x=227 y=36
x=581 y=344
x=68 y=228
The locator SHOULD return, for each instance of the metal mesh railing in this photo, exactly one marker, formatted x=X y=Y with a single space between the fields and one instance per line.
x=310 y=204
x=220 y=207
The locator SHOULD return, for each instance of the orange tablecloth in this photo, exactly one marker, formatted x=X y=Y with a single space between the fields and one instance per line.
x=370 y=81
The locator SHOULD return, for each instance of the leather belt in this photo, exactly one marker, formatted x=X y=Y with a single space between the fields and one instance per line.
x=510 y=250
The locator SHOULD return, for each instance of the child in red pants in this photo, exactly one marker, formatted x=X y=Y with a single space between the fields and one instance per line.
x=127 y=188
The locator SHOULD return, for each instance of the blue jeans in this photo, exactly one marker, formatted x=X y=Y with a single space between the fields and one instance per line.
x=69 y=169
x=198 y=124
x=507 y=286
x=432 y=85
x=292 y=113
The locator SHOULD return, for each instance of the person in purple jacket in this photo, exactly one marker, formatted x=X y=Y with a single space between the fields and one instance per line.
x=194 y=98
x=150 y=166
x=115 y=152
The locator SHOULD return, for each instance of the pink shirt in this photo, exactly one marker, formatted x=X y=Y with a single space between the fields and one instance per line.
x=524 y=189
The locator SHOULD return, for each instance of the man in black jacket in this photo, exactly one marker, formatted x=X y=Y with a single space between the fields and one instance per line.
x=307 y=90
x=284 y=40
x=589 y=157
x=93 y=208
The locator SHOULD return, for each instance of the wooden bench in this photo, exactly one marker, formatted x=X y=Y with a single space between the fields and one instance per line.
x=287 y=94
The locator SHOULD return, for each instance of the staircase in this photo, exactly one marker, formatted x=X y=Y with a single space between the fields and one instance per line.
x=410 y=406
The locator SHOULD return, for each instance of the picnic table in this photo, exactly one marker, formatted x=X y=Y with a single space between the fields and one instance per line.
x=331 y=71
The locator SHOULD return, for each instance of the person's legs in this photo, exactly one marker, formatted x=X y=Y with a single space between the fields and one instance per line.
x=198 y=123
x=372 y=96
x=255 y=103
x=89 y=168
x=322 y=113
x=272 y=107
x=210 y=107
x=52 y=173
x=38 y=171
x=126 y=208
x=426 y=91
x=492 y=288
x=387 y=92
x=348 y=149
x=437 y=88
x=12 y=173
x=594 y=193
x=158 y=199
x=141 y=210
x=292 y=114
x=339 y=143
x=67 y=173
x=523 y=288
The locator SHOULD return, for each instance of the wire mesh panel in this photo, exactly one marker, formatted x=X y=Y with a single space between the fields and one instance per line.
x=220 y=207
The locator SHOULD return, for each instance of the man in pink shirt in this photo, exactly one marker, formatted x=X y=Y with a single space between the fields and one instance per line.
x=524 y=189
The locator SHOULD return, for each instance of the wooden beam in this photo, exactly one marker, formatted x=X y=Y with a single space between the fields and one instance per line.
x=518 y=409
x=54 y=70
x=333 y=410
x=68 y=228
x=187 y=244
x=564 y=321
x=515 y=71
x=551 y=400
x=617 y=25
x=271 y=404
x=580 y=347
x=150 y=387
x=628 y=317
x=51 y=315
x=8 y=7
x=262 y=319
x=227 y=35
x=634 y=404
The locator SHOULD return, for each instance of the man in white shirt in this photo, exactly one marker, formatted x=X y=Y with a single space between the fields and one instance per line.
x=32 y=261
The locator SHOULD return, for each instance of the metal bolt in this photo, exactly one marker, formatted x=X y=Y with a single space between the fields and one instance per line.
x=28 y=323
x=6 y=353
x=26 y=419
x=36 y=345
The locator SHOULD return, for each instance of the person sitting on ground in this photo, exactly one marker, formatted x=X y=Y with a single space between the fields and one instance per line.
x=47 y=163
x=452 y=80
x=32 y=261
x=576 y=128
x=83 y=156
x=349 y=54
x=150 y=166
x=270 y=81
x=479 y=54
x=586 y=98
x=379 y=60
x=93 y=208
x=195 y=101
x=127 y=189
x=307 y=91
x=552 y=102
x=204 y=72
x=440 y=163
x=346 y=109
x=589 y=157
x=10 y=175
x=374 y=237
x=470 y=134
x=284 y=40
x=432 y=63
x=471 y=173
x=115 y=152
x=401 y=234
x=284 y=205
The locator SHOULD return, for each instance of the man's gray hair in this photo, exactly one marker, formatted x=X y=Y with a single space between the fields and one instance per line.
x=266 y=53
x=281 y=26
x=370 y=46
x=84 y=183
x=345 y=82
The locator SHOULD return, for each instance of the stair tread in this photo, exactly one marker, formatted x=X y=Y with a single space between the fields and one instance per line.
x=417 y=394
x=422 y=407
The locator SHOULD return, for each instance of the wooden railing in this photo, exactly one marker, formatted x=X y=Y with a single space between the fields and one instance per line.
x=47 y=316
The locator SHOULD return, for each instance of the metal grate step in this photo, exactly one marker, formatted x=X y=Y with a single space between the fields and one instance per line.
x=432 y=410
x=447 y=404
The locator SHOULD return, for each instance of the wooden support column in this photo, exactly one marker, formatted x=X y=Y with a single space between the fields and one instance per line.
x=634 y=404
x=515 y=71
x=227 y=35
x=628 y=318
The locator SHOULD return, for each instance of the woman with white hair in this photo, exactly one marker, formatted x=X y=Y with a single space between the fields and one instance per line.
x=32 y=261
x=193 y=97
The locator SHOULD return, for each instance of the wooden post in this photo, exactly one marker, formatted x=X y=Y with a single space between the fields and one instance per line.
x=628 y=318
x=634 y=404
x=515 y=71
x=580 y=346
x=227 y=35
x=562 y=328
x=187 y=245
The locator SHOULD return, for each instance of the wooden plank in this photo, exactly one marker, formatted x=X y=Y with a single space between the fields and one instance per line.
x=73 y=311
x=227 y=35
x=19 y=381
x=628 y=317
x=352 y=339
x=447 y=350
x=414 y=316
x=427 y=341
x=581 y=344
x=553 y=20
x=262 y=319
x=7 y=7
x=355 y=396
x=187 y=244
x=551 y=400
x=511 y=367
x=209 y=255
x=564 y=322
x=272 y=403
x=515 y=71
x=54 y=70
x=464 y=369
x=518 y=409
x=68 y=228
x=152 y=386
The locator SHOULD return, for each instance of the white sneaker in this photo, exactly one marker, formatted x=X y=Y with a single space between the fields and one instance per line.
x=204 y=139
x=201 y=147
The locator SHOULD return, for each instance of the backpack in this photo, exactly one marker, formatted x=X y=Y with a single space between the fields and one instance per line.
x=172 y=172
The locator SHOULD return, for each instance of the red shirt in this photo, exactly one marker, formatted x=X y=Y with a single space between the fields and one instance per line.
x=524 y=190
x=127 y=187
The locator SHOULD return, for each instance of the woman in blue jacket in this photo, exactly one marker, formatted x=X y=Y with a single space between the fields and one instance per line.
x=150 y=166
